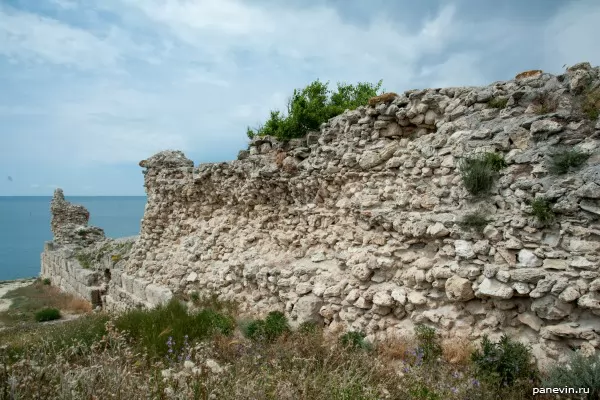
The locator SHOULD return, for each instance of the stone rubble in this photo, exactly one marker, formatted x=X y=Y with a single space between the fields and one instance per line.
x=358 y=225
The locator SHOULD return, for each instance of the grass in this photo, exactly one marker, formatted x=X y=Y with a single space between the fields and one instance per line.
x=26 y=301
x=92 y=358
x=47 y=314
x=479 y=172
x=474 y=221
x=541 y=209
x=172 y=323
x=269 y=329
x=591 y=104
x=84 y=259
x=567 y=160
x=498 y=102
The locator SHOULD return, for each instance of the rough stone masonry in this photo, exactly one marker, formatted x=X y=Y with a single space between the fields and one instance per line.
x=358 y=226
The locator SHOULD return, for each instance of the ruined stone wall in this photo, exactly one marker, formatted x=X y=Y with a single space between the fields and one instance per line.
x=358 y=226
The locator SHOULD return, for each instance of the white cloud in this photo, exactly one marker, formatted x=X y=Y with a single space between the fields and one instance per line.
x=29 y=37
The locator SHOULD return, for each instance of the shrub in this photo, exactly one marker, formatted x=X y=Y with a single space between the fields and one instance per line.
x=46 y=281
x=429 y=348
x=85 y=260
x=354 y=341
x=591 y=104
x=498 y=102
x=269 y=329
x=475 y=220
x=567 y=160
x=479 y=171
x=581 y=371
x=47 y=314
x=155 y=330
x=541 y=209
x=504 y=362
x=308 y=108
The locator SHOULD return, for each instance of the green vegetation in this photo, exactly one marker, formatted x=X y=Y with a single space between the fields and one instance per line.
x=354 y=341
x=581 y=372
x=591 y=104
x=475 y=221
x=46 y=281
x=27 y=301
x=47 y=314
x=117 y=250
x=84 y=259
x=567 y=160
x=479 y=172
x=542 y=210
x=429 y=347
x=505 y=362
x=498 y=102
x=269 y=329
x=173 y=353
x=157 y=331
x=308 y=108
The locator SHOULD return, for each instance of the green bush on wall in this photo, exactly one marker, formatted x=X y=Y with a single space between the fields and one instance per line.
x=479 y=171
x=308 y=108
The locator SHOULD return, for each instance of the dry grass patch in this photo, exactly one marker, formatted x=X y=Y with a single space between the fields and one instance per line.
x=27 y=300
x=457 y=350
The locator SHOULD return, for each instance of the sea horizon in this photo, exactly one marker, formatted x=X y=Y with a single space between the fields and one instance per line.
x=25 y=226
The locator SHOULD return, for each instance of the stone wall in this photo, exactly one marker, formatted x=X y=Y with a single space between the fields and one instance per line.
x=358 y=226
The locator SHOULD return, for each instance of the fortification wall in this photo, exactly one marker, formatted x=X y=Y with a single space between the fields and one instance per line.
x=358 y=226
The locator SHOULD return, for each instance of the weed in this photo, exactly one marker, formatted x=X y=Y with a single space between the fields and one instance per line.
x=591 y=104
x=580 y=372
x=475 y=220
x=269 y=329
x=541 y=209
x=567 y=160
x=47 y=314
x=84 y=259
x=479 y=172
x=498 y=102
x=355 y=340
x=152 y=328
x=504 y=362
x=429 y=348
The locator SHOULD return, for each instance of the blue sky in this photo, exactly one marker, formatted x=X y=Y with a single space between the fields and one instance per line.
x=90 y=88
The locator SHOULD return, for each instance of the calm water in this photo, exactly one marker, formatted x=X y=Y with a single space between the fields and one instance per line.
x=25 y=226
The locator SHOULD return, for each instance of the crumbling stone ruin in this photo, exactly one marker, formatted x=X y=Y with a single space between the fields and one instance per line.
x=361 y=226
x=69 y=222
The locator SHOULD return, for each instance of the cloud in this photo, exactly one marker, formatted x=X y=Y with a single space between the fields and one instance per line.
x=106 y=85
x=27 y=37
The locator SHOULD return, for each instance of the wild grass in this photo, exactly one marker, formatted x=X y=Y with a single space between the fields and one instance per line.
x=567 y=160
x=479 y=171
x=47 y=314
x=541 y=209
x=498 y=102
x=590 y=104
x=474 y=221
x=101 y=356
x=26 y=301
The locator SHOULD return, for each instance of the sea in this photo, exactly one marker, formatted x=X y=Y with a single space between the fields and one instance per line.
x=25 y=226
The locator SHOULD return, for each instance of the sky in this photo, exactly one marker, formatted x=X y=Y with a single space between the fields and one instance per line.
x=90 y=88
